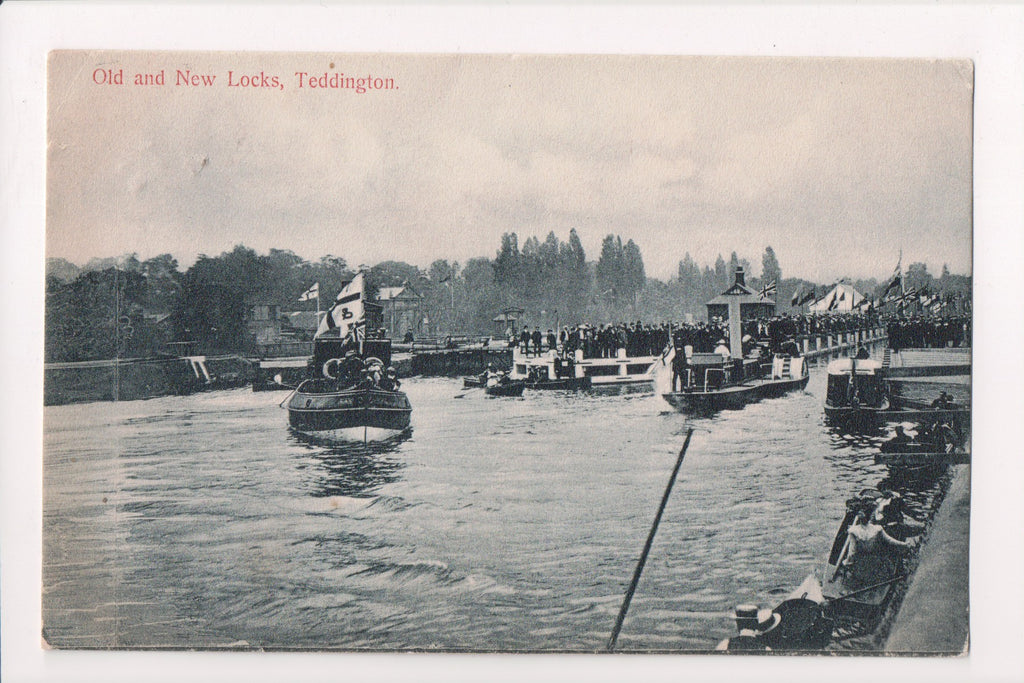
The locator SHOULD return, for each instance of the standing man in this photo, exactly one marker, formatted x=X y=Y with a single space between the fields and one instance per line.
x=524 y=339
x=536 y=338
x=679 y=368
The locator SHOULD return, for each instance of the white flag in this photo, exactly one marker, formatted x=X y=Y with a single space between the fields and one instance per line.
x=311 y=293
x=347 y=311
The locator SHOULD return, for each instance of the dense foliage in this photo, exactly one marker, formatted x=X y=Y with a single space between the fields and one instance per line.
x=127 y=307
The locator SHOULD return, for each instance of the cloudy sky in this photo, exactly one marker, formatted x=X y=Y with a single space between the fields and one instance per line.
x=837 y=164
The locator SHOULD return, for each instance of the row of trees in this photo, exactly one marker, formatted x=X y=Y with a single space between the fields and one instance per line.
x=130 y=307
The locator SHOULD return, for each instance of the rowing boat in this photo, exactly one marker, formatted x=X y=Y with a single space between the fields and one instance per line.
x=861 y=586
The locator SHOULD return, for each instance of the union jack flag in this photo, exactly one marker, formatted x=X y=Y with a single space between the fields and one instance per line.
x=768 y=290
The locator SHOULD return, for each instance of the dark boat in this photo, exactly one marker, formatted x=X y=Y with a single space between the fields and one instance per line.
x=926 y=455
x=867 y=417
x=502 y=388
x=858 y=397
x=714 y=384
x=510 y=388
x=328 y=405
x=563 y=384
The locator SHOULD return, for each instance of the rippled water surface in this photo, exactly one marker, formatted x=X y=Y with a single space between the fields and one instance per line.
x=498 y=524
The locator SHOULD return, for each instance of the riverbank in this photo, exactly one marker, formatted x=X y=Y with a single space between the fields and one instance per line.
x=139 y=378
x=933 y=618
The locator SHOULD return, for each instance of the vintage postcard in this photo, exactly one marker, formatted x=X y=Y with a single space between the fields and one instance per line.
x=507 y=353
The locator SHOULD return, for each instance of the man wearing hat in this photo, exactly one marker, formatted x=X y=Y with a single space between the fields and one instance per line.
x=390 y=381
x=753 y=625
x=536 y=338
x=351 y=367
x=722 y=349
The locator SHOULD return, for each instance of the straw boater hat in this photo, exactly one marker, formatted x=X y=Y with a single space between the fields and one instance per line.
x=749 y=617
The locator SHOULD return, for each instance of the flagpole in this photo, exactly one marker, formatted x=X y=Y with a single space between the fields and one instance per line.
x=903 y=284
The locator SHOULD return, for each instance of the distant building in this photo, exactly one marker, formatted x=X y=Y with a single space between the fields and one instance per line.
x=752 y=305
x=402 y=310
x=302 y=324
x=262 y=322
x=507 y=320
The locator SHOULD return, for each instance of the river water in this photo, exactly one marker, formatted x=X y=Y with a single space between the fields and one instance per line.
x=498 y=524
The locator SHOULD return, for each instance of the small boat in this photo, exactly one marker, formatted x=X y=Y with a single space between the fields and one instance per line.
x=861 y=589
x=509 y=388
x=863 y=417
x=564 y=384
x=503 y=387
x=328 y=406
x=715 y=384
x=925 y=456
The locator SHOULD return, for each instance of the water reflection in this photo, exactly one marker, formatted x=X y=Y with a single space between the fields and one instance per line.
x=868 y=437
x=354 y=469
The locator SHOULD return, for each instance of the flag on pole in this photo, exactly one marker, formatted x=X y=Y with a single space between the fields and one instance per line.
x=347 y=312
x=768 y=290
x=897 y=277
x=796 y=297
x=809 y=296
x=311 y=293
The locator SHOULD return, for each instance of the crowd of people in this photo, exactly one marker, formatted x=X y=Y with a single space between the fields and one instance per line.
x=596 y=341
x=353 y=371
x=772 y=334
x=928 y=332
x=644 y=339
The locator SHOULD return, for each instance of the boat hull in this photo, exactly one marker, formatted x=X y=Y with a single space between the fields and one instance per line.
x=512 y=389
x=734 y=397
x=847 y=416
x=878 y=570
x=564 y=384
x=866 y=605
x=355 y=412
x=509 y=388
